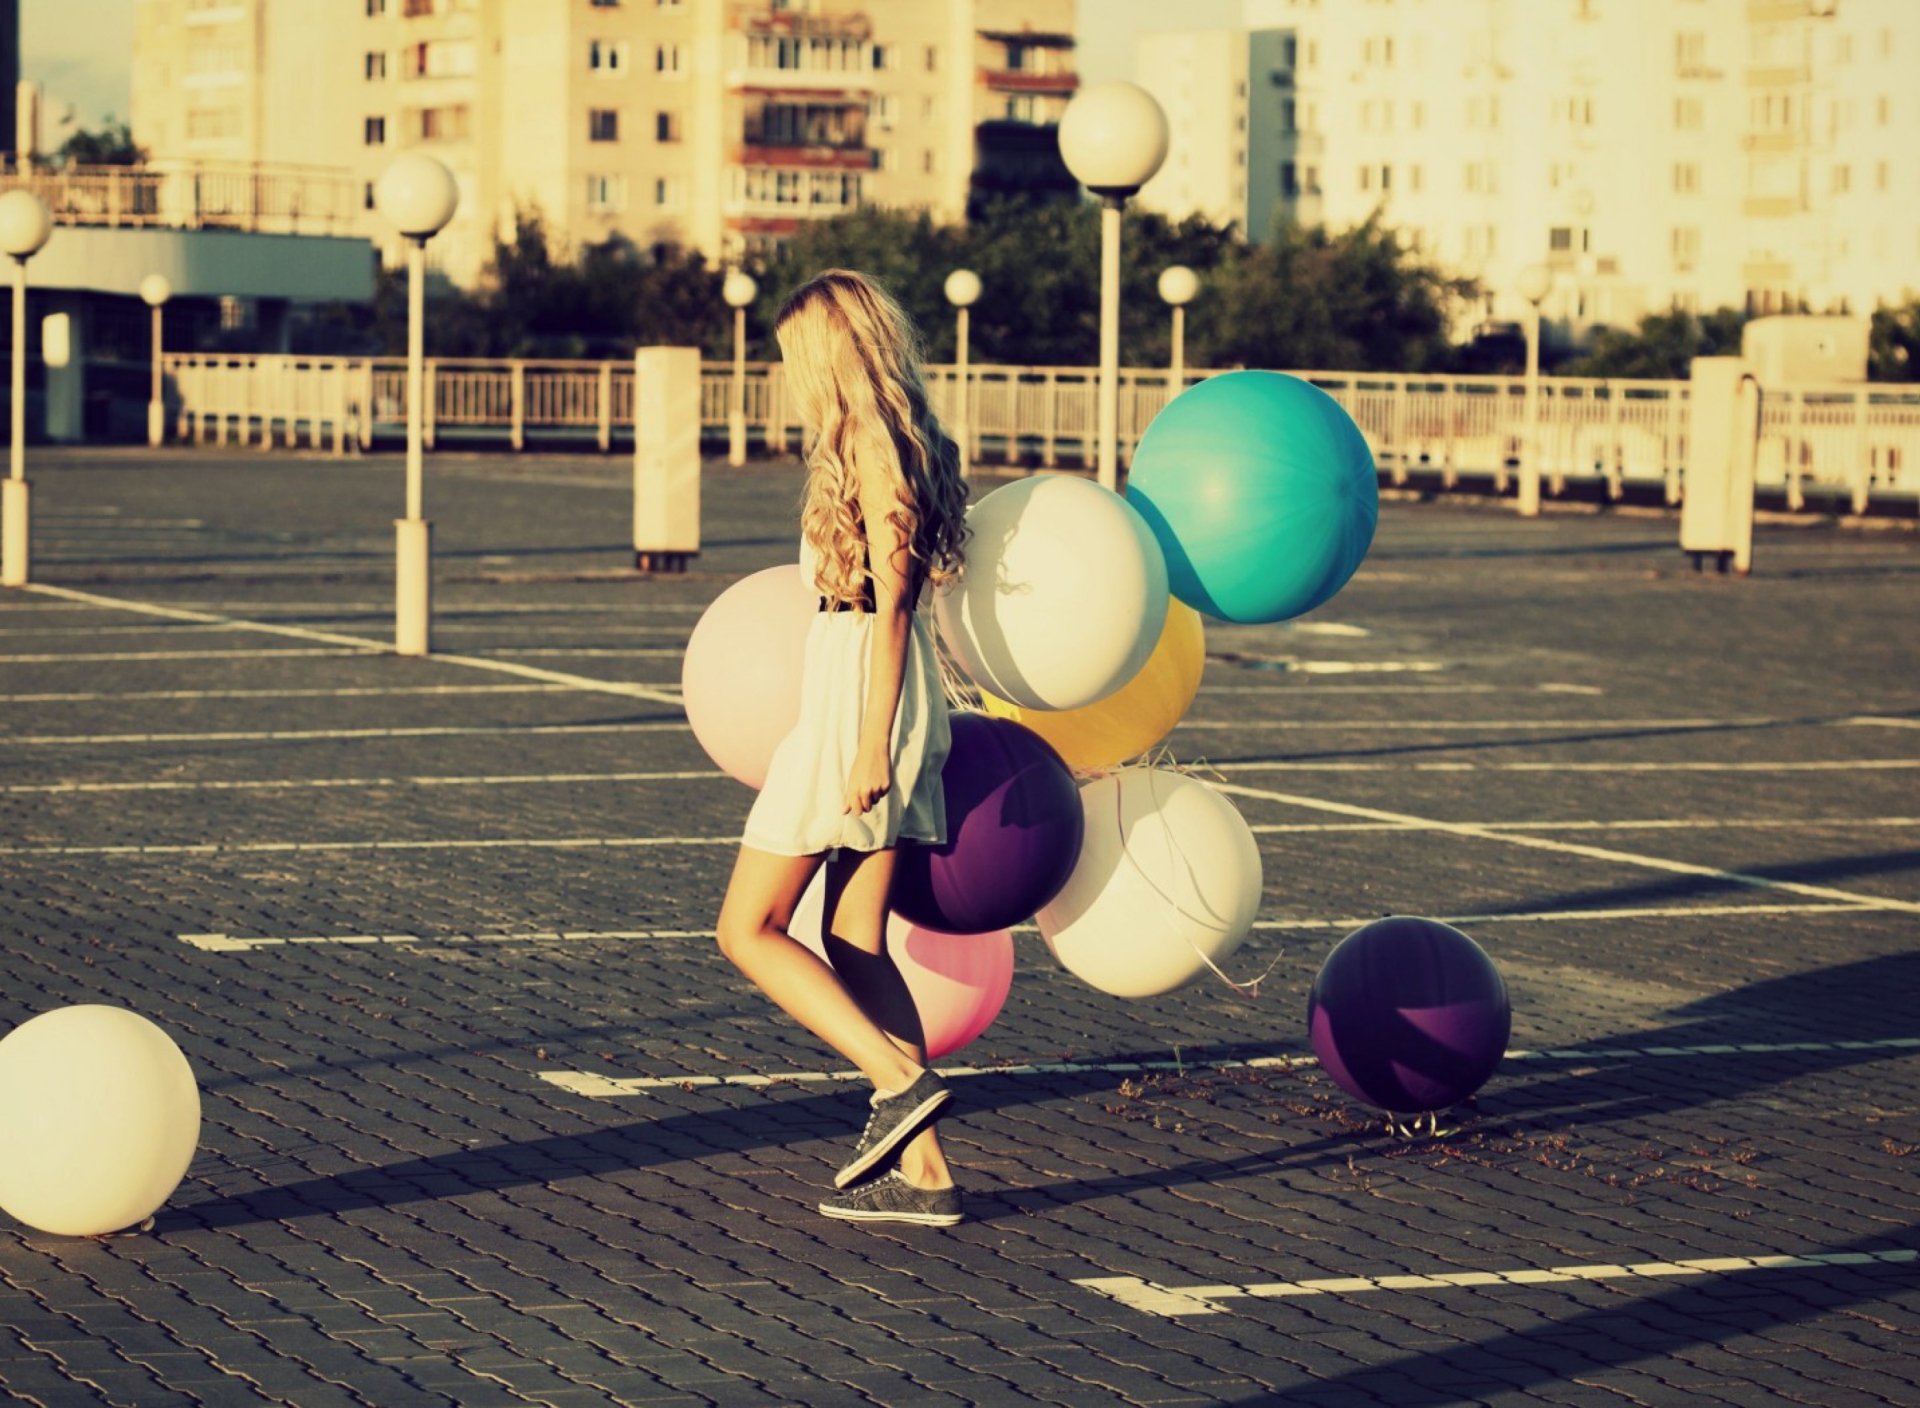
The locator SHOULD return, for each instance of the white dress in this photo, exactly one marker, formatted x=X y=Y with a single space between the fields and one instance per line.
x=799 y=811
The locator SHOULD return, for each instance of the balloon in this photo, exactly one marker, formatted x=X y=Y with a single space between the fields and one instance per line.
x=1138 y=715
x=1409 y=1015
x=1064 y=594
x=741 y=674
x=959 y=982
x=99 y=1118
x=1262 y=492
x=1169 y=872
x=1013 y=833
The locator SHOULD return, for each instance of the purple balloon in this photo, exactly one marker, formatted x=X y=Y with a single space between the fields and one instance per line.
x=1014 y=823
x=1409 y=1015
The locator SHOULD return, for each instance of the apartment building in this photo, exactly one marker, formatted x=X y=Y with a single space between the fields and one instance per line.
x=1653 y=153
x=723 y=124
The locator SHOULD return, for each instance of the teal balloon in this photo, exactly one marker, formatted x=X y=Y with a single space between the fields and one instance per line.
x=1262 y=492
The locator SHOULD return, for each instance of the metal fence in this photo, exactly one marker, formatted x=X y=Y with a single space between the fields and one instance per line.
x=1857 y=443
x=268 y=197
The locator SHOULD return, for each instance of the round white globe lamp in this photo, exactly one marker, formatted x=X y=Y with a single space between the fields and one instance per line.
x=1533 y=283
x=418 y=195
x=1178 y=285
x=738 y=290
x=155 y=290
x=1113 y=137
x=25 y=226
x=963 y=291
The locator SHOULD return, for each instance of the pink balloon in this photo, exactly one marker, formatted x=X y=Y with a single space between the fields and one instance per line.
x=741 y=675
x=959 y=982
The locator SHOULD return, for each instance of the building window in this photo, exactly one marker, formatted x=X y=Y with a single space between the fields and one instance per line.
x=1311 y=184
x=666 y=4
x=1689 y=53
x=883 y=159
x=1287 y=115
x=1560 y=239
x=606 y=194
x=1419 y=118
x=933 y=58
x=1686 y=247
x=882 y=57
x=1686 y=178
x=667 y=59
x=669 y=192
x=1289 y=179
x=603 y=125
x=604 y=4
x=376 y=66
x=929 y=161
x=368 y=196
x=1482 y=178
x=439 y=59
x=1386 y=177
x=1882 y=110
x=1842 y=179
x=1366 y=178
x=1689 y=114
x=608 y=56
x=376 y=8
x=374 y=134
x=666 y=127
x=928 y=107
x=448 y=124
x=1413 y=180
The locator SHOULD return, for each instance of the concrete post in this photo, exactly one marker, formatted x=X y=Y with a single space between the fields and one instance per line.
x=666 y=458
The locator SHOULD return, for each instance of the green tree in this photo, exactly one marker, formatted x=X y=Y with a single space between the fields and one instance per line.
x=112 y=145
x=1662 y=348
x=1893 y=347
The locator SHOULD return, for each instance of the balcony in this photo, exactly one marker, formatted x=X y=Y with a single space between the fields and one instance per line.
x=1004 y=80
x=1770 y=207
x=798 y=156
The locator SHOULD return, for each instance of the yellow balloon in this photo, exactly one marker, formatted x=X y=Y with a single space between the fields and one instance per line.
x=1136 y=716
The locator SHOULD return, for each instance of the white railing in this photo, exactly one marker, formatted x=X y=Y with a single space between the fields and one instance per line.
x=265 y=197
x=1851 y=442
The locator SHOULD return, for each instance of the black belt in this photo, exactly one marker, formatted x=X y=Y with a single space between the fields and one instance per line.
x=861 y=606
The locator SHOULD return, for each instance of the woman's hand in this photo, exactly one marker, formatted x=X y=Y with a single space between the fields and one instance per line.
x=872 y=779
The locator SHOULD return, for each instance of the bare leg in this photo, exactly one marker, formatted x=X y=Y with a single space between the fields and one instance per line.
x=854 y=932
x=759 y=906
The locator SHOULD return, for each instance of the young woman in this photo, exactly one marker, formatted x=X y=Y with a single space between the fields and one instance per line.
x=883 y=521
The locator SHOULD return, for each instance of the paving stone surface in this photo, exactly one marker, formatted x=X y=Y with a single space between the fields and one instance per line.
x=413 y=922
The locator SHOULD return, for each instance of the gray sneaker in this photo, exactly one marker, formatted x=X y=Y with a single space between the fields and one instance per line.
x=893 y=1121
x=890 y=1198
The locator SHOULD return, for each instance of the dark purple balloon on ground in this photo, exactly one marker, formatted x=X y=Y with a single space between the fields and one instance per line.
x=1014 y=823
x=1409 y=1015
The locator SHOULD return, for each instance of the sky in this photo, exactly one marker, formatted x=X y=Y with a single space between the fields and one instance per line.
x=80 y=50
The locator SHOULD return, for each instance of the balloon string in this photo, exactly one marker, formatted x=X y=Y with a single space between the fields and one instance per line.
x=1161 y=760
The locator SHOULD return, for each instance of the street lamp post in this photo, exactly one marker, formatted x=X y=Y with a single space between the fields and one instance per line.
x=1534 y=284
x=419 y=196
x=738 y=289
x=963 y=291
x=25 y=224
x=1113 y=137
x=1178 y=285
x=155 y=290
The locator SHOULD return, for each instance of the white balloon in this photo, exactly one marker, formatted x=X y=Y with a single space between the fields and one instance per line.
x=99 y=1118
x=1169 y=871
x=1064 y=594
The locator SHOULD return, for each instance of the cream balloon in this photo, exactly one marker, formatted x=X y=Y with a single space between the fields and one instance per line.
x=1169 y=879
x=1064 y=595
x=99 y=1118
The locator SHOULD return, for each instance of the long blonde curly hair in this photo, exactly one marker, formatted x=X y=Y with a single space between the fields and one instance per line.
x=853 y=362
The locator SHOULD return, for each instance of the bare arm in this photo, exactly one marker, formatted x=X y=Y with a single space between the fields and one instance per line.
x=891 y=561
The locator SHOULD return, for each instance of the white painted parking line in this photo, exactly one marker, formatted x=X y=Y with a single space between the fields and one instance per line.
x=228 y=943
x=484 y=843
x=297 y=783
x=604 y=1087
x=57 y=740
x=1684 y=824
x=171 y=628
x=1544 y=843
x=1174 y=1301
x=1585 y=725
x=344 y=692
x=102 y=657
x=1870 y=721
x=1835 y=765
x=580 y=682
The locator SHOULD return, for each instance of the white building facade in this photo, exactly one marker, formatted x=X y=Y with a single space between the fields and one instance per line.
x=719 y=124
x=1654 y=154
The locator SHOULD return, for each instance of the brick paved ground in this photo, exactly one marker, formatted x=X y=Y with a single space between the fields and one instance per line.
x=1698 y=791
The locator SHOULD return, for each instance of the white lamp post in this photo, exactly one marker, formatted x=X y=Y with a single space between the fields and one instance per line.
x=1534 y=284
x=963 y=291
x=738 y=289
x=1178 y=285
x=1113 y=137
x=25 y=224
x=155 y=290
x=418 y=195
